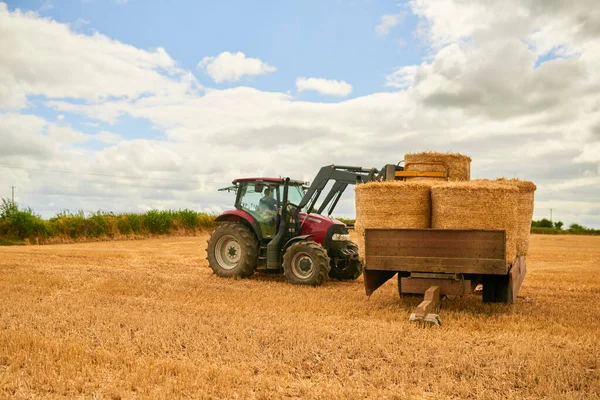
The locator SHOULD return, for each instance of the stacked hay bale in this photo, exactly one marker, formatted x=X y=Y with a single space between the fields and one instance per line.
x=424 y=202
x=477 y=205
x=525 y=201
x=459 y=166
x=397 y=204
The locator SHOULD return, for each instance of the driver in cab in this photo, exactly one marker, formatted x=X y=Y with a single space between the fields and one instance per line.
x=268 y=202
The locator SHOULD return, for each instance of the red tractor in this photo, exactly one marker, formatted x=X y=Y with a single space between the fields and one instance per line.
x=276 y=227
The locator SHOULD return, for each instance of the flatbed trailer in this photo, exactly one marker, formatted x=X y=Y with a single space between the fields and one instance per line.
x=453 y=260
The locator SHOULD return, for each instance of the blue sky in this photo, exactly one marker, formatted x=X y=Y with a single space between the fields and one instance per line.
x=162 y=90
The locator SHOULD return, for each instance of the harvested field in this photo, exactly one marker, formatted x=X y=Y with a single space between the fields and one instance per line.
x=148 y=319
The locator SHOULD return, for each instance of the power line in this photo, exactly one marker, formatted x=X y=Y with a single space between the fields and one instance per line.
x=102 y=175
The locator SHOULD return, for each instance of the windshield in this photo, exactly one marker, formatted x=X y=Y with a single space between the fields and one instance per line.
x=295 y=194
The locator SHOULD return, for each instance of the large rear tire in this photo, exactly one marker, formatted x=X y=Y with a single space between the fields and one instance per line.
x=347 y=269
x=232 y=250
x=306 y=263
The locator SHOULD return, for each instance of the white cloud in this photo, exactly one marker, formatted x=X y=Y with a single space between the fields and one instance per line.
x=387 y=23
x=231 y=67
x=79 y=24
x=90 y=67
x=107 y=137
x=324 y=86
x=65 y=135
x=22 y=137
x=590 y=154
x=60 y=117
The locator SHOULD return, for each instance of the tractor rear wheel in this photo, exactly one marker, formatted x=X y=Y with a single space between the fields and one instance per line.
x=346 y=269
x=306 y=263
x=232 y=250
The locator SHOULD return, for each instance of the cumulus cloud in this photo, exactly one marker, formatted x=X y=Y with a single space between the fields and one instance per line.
x=387 y=22
x=55 y=62
x=22 y=137
x=107 y=137
x=231 y=67
x=324 y=86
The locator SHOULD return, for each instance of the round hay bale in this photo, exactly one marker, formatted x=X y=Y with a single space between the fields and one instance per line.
x=397 y=204
x=459 y=166
x=525 y=201
x=477 y=205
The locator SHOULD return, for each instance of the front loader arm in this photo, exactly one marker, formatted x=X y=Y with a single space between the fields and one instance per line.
x=343 y=176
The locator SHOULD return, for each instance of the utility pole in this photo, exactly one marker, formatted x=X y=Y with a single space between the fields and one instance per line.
x=13 y=194
x=550 y=215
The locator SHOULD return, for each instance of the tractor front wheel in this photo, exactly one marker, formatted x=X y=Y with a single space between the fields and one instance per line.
x=306 y=263
x=232 y=250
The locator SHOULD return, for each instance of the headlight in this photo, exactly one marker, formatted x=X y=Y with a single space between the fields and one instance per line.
x=340 y=236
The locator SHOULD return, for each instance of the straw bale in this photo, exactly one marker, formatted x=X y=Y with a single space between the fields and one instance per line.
x=391 y=205
x=525 y=201
x=477 y=205
x=360 y=232
x=459 y=166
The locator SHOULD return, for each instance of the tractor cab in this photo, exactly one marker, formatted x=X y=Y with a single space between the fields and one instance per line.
x=262 y=198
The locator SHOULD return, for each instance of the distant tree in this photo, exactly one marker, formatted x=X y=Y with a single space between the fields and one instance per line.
x=542 y=223
x=8 y=208
x=577 y=228
x=558 y=225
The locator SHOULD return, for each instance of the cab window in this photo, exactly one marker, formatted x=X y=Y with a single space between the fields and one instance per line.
x=262 y=202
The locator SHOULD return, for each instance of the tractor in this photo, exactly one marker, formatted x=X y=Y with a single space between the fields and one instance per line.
x=278 y=226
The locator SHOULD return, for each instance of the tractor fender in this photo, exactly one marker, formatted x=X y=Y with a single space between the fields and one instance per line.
x=296 y=239
x=238 y=216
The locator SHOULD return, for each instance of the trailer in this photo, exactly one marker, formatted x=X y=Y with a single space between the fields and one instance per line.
x=442 y=262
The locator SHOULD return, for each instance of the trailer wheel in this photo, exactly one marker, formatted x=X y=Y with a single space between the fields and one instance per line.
x=346 y=269
x=232 y=250
x=306 y=263
x=496 y=289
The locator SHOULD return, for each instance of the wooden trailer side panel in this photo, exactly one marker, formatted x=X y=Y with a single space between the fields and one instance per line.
x=432 y=250
x=436 y=250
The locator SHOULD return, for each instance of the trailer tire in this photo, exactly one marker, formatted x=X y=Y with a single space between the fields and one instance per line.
x=232 y=250
x=496 y=289
x=306 y=263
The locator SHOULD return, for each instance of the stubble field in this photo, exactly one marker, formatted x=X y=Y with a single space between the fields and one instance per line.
x=138 y=319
